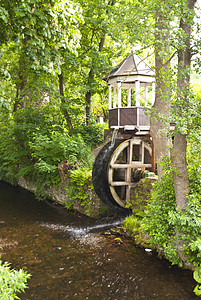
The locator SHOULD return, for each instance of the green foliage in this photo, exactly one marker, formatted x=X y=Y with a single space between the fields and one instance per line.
x=197 y=277
x=167 y=227
x=36 y=144
x=93 y=134
x=132 y=226
x=197 y=290
x=12 y=281
x=194 y=159
x=80 y=176
x=140 y=196
x=155 y=222
x=80 y=187
x=52 y=150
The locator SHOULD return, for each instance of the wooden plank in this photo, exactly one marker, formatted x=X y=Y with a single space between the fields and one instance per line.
x=138 y=164
x=128 y=116
x=128 y=193
x=110 y=175
x=135 y=141
x=142 y=152
x=119 y=183
x=123 y=183
x=134 y=164
x=113 y=117
x=120 y=166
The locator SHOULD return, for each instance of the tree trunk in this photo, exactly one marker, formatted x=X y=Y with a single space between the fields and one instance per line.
x=90 y=78
x=160 y=116
x=88 y=97
x=180 y=173
x=64 y=110
x=21 y=84
x=178 y=155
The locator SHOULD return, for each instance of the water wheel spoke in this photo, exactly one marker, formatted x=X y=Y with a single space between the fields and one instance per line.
x=128 y=192
x=139 y=164
x=134 y=164
x=123 y=162
x=120 y=166
x=141 y=156
x=119 y=183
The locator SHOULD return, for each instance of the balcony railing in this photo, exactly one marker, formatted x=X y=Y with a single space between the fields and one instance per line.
x=129 y=117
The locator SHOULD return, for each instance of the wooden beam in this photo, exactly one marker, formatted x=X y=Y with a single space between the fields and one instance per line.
x=110 y=97
x=123 y=183
x=137 y=92
x=146 y=95
x=114 y=97
x=119 y=93
x=134 y=164
x=129 y=97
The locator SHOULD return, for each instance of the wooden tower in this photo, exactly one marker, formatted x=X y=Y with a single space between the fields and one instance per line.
x=123 y=161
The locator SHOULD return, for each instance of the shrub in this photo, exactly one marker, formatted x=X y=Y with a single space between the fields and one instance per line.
x=11 y=281
x=93 y=134
x=35 y=146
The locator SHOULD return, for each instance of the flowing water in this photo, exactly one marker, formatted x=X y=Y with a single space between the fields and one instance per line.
x=114 y=135
x=69 y=257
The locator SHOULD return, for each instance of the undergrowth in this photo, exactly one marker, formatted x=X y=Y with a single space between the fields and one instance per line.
x=35 y=145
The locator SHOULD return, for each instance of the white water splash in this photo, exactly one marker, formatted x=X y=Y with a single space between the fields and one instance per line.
x=80 y=231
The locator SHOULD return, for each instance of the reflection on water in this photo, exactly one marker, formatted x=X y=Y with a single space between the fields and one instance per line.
x=69 y=257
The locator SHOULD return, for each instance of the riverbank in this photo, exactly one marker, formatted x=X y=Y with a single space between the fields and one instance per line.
x=80 y=198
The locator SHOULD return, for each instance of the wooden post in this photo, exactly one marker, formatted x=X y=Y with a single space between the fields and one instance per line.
x=137 y=92
x=110 y=97
x=119 y=93
x=129 y=97
x=146 y=95
x=138 y=117
x=114 y=97
x=141 y=156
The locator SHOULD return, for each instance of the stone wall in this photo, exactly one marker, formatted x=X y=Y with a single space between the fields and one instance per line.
x=93 y=207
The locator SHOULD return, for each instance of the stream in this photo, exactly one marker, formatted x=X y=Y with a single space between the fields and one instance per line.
x=70 y=257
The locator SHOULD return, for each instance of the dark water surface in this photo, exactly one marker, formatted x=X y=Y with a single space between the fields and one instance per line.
x=69 y=257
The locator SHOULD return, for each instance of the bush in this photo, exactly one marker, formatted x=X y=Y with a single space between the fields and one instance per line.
x=155 y=221
x=80 y=188
x=80 y=182
x=93 y=134
x=167 y=227
x=35 y=146
x=11 y=281
x=132 y=226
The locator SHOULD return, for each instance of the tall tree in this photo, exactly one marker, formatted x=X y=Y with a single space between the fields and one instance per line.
x=44 y=30
x=62 y=97
x=96 y=45
x=160 y=117
x=178 y=154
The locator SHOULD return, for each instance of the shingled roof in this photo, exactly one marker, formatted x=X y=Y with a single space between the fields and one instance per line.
x=132 y=65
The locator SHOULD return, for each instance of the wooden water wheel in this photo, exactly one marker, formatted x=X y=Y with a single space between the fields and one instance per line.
x=118 y=167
